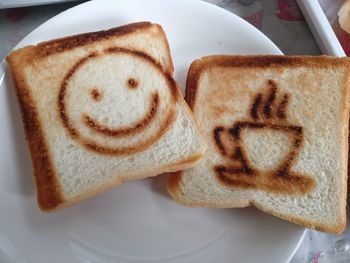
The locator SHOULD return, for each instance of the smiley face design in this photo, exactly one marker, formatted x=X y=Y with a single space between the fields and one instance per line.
x=117 y=102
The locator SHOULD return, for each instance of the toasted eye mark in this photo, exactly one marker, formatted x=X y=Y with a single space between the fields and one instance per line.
x=95 y=95
x=133 y=83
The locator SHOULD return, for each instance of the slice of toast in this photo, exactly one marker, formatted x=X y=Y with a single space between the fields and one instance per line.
x=102 y=108
x=277 y=129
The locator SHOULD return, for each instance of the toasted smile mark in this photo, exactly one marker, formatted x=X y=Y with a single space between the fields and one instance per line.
x=125 y=131
x=116 y=138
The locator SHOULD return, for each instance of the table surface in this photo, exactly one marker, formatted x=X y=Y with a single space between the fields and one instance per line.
x=280 y=20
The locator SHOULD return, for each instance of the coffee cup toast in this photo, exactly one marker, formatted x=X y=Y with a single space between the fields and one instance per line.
x=277 y=129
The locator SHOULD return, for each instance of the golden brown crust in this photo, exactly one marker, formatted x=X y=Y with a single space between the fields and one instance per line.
x=59 y=45
x=189 y=161
x=192 y=80
x=174 y=181
x=49 y=191
x=345 y=97
x=50 y=47
x=268 y=61
x=67 y=43
x=171 y=69
x=195 y=72
x=260 y=61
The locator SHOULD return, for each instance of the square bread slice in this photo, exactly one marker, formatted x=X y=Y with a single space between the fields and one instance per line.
x=102 y=108
x=277 y=129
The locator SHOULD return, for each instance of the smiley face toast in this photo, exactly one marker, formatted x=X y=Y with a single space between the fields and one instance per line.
x=145 y=108
x=102 y=108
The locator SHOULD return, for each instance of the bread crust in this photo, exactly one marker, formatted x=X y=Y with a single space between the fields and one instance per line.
x=59 y=45
x=196 y=70
x=198 y=66
x=49 y=191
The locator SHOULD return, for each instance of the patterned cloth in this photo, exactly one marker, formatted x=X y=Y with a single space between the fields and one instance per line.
x=280 y=20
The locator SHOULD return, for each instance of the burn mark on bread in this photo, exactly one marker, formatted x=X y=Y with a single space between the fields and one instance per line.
x=234 y=182
x=281 y=110
x=171 y=117
x=167 y=117
x=255 y=107
x=265 y=108
x=49 y=190
x=96 y=94
x=133 y=83
x=217 y=131
x=271 y=99
x=132 y=129
x=61 y=102
x=239 y=171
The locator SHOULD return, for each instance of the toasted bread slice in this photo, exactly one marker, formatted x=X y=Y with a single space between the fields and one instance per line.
x=277 y=129
x=102 y=108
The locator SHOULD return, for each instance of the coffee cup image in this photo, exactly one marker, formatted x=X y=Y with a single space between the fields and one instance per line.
x=268 y=115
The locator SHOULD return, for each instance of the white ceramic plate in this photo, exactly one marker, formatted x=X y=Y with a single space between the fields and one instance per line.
x=138 y=221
